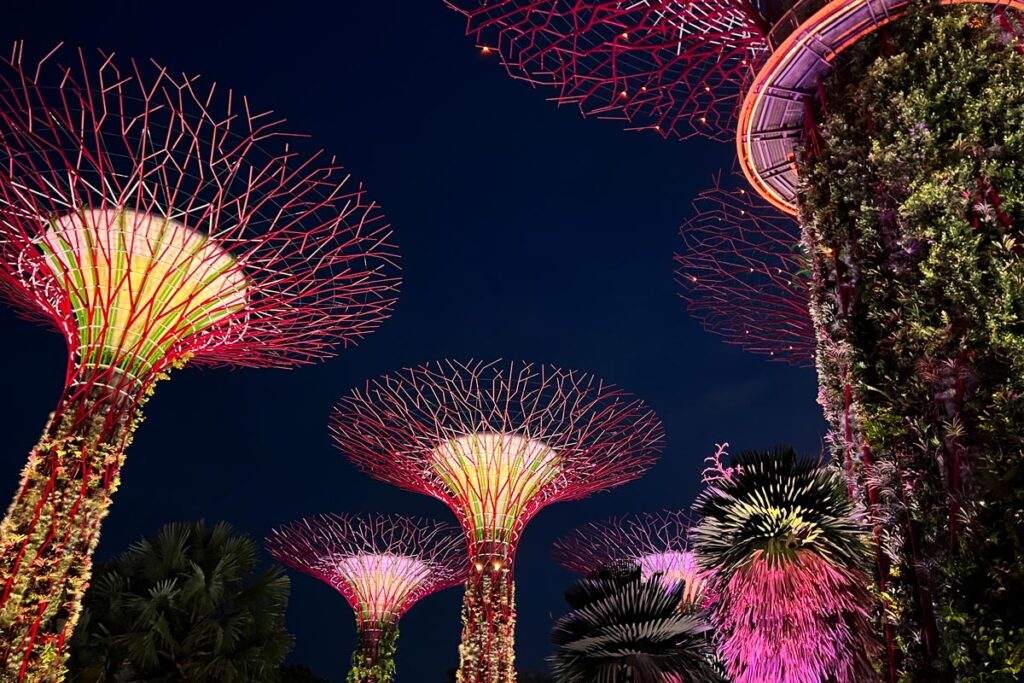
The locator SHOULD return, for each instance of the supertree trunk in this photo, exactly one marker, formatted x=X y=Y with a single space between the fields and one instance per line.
x=912 y=213
x=52 y=526
x=374 y=658
x=487 y=652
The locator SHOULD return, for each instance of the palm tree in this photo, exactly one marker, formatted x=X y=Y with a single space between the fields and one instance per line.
x=624 y=630
x=183 y=605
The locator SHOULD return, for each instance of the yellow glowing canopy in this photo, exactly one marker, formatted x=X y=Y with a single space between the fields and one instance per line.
x=139 y=283
x=494 y=476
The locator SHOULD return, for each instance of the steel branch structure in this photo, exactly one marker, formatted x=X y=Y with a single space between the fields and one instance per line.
x=744 y=275
x=676 y=67
x=658 y=543
x=382 y=565
x=496 y=442
x=153 y=221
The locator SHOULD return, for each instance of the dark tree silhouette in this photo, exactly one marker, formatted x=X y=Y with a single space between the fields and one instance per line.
x=184 y=604
x=624 y=629
x=296 y=673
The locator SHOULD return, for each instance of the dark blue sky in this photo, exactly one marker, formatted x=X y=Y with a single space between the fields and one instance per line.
x=526 y=232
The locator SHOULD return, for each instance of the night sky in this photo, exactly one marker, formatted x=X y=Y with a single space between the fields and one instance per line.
x=526 y=232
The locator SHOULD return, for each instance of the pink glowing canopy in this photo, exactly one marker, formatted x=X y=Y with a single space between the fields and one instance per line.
x=496 y=441
x=382 y=564
x=657 y=542
x=153 y=218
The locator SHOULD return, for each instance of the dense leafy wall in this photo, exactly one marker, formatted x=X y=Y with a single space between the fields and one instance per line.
x=913 y=211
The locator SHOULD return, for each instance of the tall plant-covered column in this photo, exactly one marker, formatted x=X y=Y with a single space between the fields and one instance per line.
x=143 y=218
x=373 y=660
x=913 y=212
x=487 y=651
x=53 y=522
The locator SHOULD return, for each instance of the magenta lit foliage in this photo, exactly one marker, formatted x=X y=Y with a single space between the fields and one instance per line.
x=784 y=550
x=743 y=275
x=676 y=67
x=790 y=624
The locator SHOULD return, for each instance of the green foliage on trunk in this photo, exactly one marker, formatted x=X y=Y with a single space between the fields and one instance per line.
x=374 y=660
x=913 y=214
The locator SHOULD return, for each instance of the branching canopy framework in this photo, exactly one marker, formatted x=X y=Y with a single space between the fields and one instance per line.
x=673 y=66
x=151 y=219
x=496 y=441
x=658 y=543
x=744 y=275
x=381 y=564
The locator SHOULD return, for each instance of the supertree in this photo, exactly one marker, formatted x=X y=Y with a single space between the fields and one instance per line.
x=153 y=222
x=657 y=543
x=785 y=552
x=676 y=67
x=496 y=442
x=745 y=276
x=382 y=565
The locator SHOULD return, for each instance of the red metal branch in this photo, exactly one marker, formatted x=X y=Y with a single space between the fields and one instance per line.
x=744 y=276
x=673 y=66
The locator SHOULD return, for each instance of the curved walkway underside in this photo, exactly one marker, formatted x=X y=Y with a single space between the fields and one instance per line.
x=806 y=42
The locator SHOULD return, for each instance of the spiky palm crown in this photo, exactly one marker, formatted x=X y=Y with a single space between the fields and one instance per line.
x=624 y=629
x=775 y=505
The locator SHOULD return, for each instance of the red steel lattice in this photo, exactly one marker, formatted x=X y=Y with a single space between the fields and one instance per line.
x=496 y=441
x=744 y=275
x=676 y=67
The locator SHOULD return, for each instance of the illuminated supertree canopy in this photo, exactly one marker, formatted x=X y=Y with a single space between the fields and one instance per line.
x=744 y=275
x=676 y=67
x=382 y=565
x=785 y=553
x=496 y=442
x=657 y=543
x=153 y=221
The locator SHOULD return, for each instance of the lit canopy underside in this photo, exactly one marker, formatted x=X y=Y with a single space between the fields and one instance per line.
x=138 y=284
x=380 y=585
x=492 y=478
x=675 y=568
